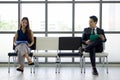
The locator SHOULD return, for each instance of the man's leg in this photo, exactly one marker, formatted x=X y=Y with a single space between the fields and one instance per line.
x=91 y=48
x=92 y=57
x=93 y=61
x=94 y=44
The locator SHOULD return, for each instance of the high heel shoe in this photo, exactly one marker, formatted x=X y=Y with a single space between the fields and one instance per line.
x=19 y=69
x=31 y=63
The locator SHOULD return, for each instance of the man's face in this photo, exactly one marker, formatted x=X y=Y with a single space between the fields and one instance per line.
x=92 y=24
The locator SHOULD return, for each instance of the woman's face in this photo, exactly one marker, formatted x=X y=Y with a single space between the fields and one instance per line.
x=24 y=23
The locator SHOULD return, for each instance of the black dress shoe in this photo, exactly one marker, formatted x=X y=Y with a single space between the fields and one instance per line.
x=95 y=72
x=31 y=63
x=18 y=69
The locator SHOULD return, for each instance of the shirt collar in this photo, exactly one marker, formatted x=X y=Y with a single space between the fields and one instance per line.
x=95 y=29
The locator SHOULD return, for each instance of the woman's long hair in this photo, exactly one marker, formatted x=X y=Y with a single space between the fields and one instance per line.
x=28 y=30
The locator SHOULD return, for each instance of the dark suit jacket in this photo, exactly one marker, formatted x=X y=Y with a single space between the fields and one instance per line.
x=87 y=33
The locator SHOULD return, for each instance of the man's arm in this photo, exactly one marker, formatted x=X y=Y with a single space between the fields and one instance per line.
x=85 y=36
x=102 y=36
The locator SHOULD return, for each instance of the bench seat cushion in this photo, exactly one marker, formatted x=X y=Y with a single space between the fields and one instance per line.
x=62 y=54
x=15 y=54
x=45 y=54
x=98 y=54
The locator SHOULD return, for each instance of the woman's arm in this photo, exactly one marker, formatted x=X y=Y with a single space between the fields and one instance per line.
x=15 y=39
x=32 y=39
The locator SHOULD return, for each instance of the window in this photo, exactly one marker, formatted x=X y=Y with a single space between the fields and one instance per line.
x=59 y=0
x=112 y=46
x=111 y=18
x=8 y=17
x=87 y=0
x=111 y=0
x=82 y=14
x=32 y=0
x=5 y=46
x=8 y=0
x=36 y=15
x=59 y=17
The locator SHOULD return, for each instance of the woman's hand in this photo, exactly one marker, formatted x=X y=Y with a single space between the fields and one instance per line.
x=29 y=45
x=15 y=44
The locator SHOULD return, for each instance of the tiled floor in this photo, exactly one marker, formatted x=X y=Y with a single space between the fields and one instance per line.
x=67 y=73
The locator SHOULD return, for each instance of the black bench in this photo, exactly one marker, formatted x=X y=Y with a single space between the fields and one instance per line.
x=68 y=43
x=14 y=54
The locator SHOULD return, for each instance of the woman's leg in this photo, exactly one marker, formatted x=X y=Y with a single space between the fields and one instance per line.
x=28 y=58
x=21 y=59
x=23 y=52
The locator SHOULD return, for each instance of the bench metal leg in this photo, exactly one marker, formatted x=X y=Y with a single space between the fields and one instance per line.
x=107 y=63
x=103 y=62
x=57 y=64
x=84 y=63
x=81 y=63
x=9 y=64
x=34 y=58
x=15 y=61
x=31 y=69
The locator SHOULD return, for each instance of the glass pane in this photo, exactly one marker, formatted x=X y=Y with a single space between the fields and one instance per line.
x=6 y=46
x=111 y=0
x=59 y=35
x=82 y=14
x=36 y=15
x=51 y=59
x=8 y=0
x=8 y=17
x=66 y=59
x=59 y=0
x=112 y=47
x=87 y=0
x=32 y=0
x=39 y=35
x=78 y=35
x=111 y=17
x=60 y=17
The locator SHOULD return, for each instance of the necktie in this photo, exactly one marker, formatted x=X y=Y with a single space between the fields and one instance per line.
x=93 y=31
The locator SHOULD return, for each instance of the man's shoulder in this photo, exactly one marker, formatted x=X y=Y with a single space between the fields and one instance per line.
x=87 y=28
x=99 y=29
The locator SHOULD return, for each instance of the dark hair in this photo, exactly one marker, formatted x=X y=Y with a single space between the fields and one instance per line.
x=94 y=18
x=28 y=26
x=28 y=30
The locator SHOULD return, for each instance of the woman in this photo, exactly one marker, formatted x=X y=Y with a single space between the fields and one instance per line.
x=23 y=49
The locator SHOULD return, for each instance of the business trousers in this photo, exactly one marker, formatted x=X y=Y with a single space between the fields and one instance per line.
x=21 y=50
x=92 y=48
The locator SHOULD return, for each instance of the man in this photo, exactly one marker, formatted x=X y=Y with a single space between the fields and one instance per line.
x=93 y=38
